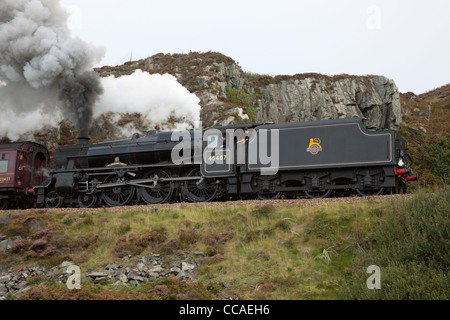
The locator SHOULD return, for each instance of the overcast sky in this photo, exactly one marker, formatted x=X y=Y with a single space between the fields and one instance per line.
x=407 y=41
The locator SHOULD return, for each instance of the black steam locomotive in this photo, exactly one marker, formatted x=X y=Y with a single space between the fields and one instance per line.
x=315 y=159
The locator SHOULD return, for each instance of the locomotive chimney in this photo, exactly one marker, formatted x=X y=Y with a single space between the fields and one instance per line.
x=82 y=141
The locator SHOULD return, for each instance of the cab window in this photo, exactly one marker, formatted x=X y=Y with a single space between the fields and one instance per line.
x=213 y=142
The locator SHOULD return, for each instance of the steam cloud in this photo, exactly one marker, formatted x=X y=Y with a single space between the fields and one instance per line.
x=46 y=76
x=157 y=97
x=43 y=69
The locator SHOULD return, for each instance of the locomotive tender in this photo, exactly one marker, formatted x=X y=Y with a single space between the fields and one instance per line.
x=314 y=158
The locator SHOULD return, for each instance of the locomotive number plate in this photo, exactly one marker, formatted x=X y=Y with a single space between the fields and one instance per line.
x=217 y=158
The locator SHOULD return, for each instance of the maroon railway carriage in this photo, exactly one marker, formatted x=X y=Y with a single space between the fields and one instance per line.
x=22 y=166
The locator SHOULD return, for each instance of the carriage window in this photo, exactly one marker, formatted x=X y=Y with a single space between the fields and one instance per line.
x=3 y=166
x=213 y=142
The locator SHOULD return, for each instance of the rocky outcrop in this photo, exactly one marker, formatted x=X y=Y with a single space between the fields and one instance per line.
x=302 y=97
x=228 y=96
x=374 y=98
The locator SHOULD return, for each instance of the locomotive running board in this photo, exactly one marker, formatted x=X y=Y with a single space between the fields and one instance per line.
x=138 y=182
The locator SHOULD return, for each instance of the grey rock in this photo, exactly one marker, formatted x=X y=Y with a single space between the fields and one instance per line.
x=131 y=276
x=66 y=264
x=97 y=274
x=187 y=266
x=376 y=99
x=98 y=279
x=183 y=275
x=5 y=279
x=142 y=267
x=313 y=97
x=156 y=269
x=199 y=253
x=422 y=129
x=135 y=277
x=123 y=278
x=2 y=237
x=6 y=244
x=3 y=290
x=175 y=270
x=153 y=274
x=426 y=113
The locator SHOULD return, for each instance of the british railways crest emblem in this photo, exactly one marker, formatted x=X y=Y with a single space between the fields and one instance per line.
x=314 y=146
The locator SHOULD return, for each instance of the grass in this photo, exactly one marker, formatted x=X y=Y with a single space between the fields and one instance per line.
x=259 y=252
x=411 y=241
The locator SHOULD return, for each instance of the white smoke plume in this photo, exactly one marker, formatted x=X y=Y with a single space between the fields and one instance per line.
x=156 y=97
x=46 y=76
x=43 y=69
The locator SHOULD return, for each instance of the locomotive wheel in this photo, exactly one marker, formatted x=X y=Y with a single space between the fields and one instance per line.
x=370 y=192
x=53 y=200
x=86 y=200
x=200 y=190
x=318 y=194
x=4 y=204
x=268 y=195
x=117 y=196
x=159 y=193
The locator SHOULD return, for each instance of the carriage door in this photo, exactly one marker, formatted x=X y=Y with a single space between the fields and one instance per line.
x=216 y=162
x=38 y=165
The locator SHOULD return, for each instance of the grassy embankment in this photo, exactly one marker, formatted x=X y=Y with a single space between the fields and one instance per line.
x=263 y=252
x=430 y=146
